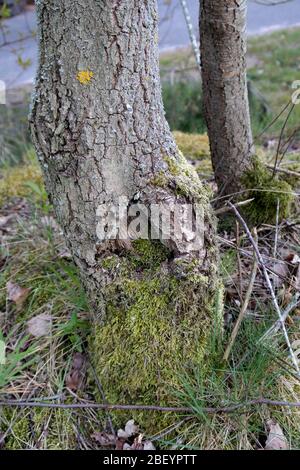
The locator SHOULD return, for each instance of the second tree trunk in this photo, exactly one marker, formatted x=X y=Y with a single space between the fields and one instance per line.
x=225 y=95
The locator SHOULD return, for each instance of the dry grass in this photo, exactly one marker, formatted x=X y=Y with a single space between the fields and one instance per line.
x=33 y=255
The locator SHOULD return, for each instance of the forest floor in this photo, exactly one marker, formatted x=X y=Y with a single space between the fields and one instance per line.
x=44 y=319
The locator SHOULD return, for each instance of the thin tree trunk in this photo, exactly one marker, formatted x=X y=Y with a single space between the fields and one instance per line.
x=223 y=56
x=100 y=133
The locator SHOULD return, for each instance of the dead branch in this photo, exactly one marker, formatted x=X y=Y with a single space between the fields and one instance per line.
x=232 y=408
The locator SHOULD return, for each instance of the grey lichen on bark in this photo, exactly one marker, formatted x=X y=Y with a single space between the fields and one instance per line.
x=99 y=129
x=223 y=56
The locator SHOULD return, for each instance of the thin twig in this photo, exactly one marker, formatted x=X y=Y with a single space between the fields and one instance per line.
x=248 y=254
x=281 y=136
x=287 y=145
x=284 y=171
x=244 y=307
x=277 y=229
x=245 y=156
x=164 y=409
x=269 y=284
x=224 y=209
x=238 y=246
x=192 y=36
x=100 y=388
x=276 y=326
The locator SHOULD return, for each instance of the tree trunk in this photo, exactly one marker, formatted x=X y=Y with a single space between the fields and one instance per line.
x=100 y=134
x=223 y=56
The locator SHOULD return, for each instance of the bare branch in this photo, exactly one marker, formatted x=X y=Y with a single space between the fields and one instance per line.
x=193 y=39
x=231 y=408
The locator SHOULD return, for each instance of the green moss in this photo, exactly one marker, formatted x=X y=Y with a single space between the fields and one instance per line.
x=173 y=166
x=160 y=180
x=267 y=191
x=20 y=431
x=110 y=262
x=157 y=325
x=185 y=178
x=148 y=254
x=193 y=146
x=294 y=165
x=61 y=433
x=52 y=429
x=160 y=311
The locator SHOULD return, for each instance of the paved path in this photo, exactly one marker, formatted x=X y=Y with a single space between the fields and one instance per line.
x=261 y=18
x=173 y=33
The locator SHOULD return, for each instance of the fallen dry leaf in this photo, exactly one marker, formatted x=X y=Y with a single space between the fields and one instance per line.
x=295 y=259
x=120 y=442
x=138 y=443
x=126 y=446
x=40 y=325
x=131 y=428
x=148 y=445
x=276 y=439
x=280 y=272
x=124 y=438
x=122 y=434
x=17 y=294
x=104 y=439
x=78 y=361
x=75 y=379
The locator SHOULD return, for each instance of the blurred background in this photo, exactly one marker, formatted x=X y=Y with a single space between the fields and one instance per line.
x=273 y=64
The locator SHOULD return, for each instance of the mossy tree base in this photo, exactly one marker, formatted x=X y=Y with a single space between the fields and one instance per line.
x=159 y=315
x=269 y=193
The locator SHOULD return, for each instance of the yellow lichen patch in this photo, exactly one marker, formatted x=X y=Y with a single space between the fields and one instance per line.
x=193 y=146
x=85 y=76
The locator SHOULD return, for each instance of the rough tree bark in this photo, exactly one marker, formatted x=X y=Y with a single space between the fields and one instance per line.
x=99 y=130
x=223 y=56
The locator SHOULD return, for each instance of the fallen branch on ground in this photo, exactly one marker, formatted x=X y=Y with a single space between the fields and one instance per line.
x=165 y=409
